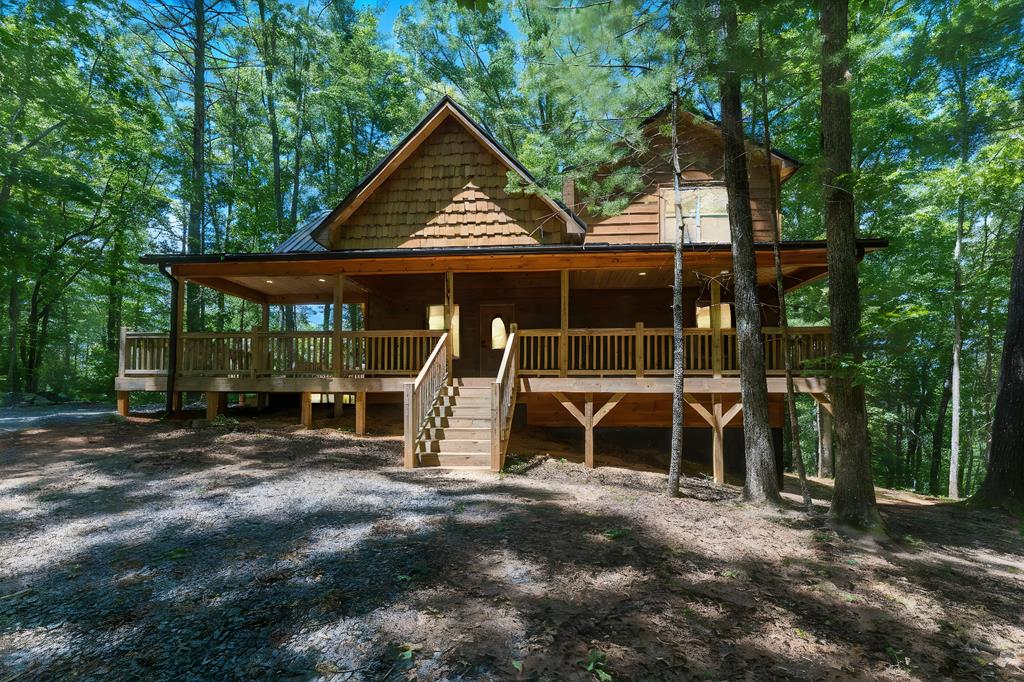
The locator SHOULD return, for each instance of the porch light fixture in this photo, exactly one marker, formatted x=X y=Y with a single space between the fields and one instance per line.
x=321 y=279
x=270 y=281
x=642 y=274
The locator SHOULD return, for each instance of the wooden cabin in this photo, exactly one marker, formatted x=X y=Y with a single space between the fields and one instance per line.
x=479 y=304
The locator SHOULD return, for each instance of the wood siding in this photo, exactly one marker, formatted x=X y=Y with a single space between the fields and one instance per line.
x=449 y=192
x=701 y=159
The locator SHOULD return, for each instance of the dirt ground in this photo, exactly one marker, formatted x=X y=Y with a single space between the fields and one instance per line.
x=255 y=550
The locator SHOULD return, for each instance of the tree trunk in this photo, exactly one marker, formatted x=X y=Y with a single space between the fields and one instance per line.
x=787 y=346
x=826 y=467
x=914 y=445
x=678 y=347
x=762 y=485
x=269 y=53
x=196 y=209
x=13 y=300
x=937 y=432
x=853 y=501
x=1004 y=483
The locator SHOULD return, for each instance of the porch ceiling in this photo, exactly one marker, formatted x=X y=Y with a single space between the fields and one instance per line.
x=282 y=289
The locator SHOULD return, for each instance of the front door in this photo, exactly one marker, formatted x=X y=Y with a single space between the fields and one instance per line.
x=495 y=325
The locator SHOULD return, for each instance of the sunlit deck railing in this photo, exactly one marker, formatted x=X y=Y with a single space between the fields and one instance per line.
x=642 y=351
x=281 y=354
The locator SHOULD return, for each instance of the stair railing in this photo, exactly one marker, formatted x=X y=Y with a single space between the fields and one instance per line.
x=503 y=401
x=421 y=394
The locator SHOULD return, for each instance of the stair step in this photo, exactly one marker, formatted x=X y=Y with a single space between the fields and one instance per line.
x=447 y=445
x=467 y=459
x=468 y=391
x=474 y=382
x=472 y=400
x=459 y=422
x=458 y=433
x=468 y=411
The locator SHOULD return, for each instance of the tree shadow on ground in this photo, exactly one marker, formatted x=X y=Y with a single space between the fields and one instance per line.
x=303 y=556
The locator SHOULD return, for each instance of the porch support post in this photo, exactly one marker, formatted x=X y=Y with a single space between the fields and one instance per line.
x=336 y=347
x=716 y=328
x=360 y=413
x=261 y=398
x=449 y=311
x=563 y=341
x=121 y=350
x=122 y=403
x=306 y=410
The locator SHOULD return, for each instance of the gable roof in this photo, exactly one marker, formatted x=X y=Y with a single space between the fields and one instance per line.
x=301 y=241
x=788 y=163
x=445 y=109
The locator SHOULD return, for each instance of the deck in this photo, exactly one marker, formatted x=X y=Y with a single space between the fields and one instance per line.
x=573 y=360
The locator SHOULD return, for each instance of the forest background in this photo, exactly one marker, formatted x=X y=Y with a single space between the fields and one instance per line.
x=206 y=127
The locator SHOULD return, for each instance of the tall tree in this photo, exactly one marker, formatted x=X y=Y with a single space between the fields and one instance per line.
x=761 y=483
x=1004 y=482
x=678 y=341
x=853 y=501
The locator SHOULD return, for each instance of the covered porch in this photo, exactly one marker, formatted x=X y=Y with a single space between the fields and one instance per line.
x=581 y=327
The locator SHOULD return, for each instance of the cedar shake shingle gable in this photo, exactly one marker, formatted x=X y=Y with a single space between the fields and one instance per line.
x=444 y=185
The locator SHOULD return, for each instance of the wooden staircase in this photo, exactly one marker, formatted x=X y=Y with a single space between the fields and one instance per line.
x=457 y=431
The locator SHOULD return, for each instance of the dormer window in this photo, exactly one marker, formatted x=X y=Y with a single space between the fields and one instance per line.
x=705 y=214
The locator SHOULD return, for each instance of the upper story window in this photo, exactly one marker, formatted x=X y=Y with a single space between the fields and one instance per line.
x=705 y=214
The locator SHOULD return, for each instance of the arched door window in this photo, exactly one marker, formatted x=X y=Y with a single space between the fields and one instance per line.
x=499 y=333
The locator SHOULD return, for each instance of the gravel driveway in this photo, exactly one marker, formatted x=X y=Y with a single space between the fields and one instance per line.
x=17 y=418
x=141 y=550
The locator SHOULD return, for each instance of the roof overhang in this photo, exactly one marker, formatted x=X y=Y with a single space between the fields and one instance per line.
x=308 y=277
x=446 y=109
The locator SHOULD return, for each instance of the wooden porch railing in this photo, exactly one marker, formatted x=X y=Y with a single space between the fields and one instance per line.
x=143 y=353
x=642 y=351
x=503 y=402
x=421 y=394
x=288 y=354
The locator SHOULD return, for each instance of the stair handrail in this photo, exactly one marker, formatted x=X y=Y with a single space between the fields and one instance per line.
x=503 y=400
x=421 y=394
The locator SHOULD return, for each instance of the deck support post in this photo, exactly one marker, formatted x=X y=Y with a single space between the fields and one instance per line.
x=588 y=419
x=717 y=439
x=337 y=355
x=338 y=407
x=588 y=424
x=360 y=413
x=306 y=410
x=122 y=403
x=563 y=340
x=216 y=401
x=717 y=420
